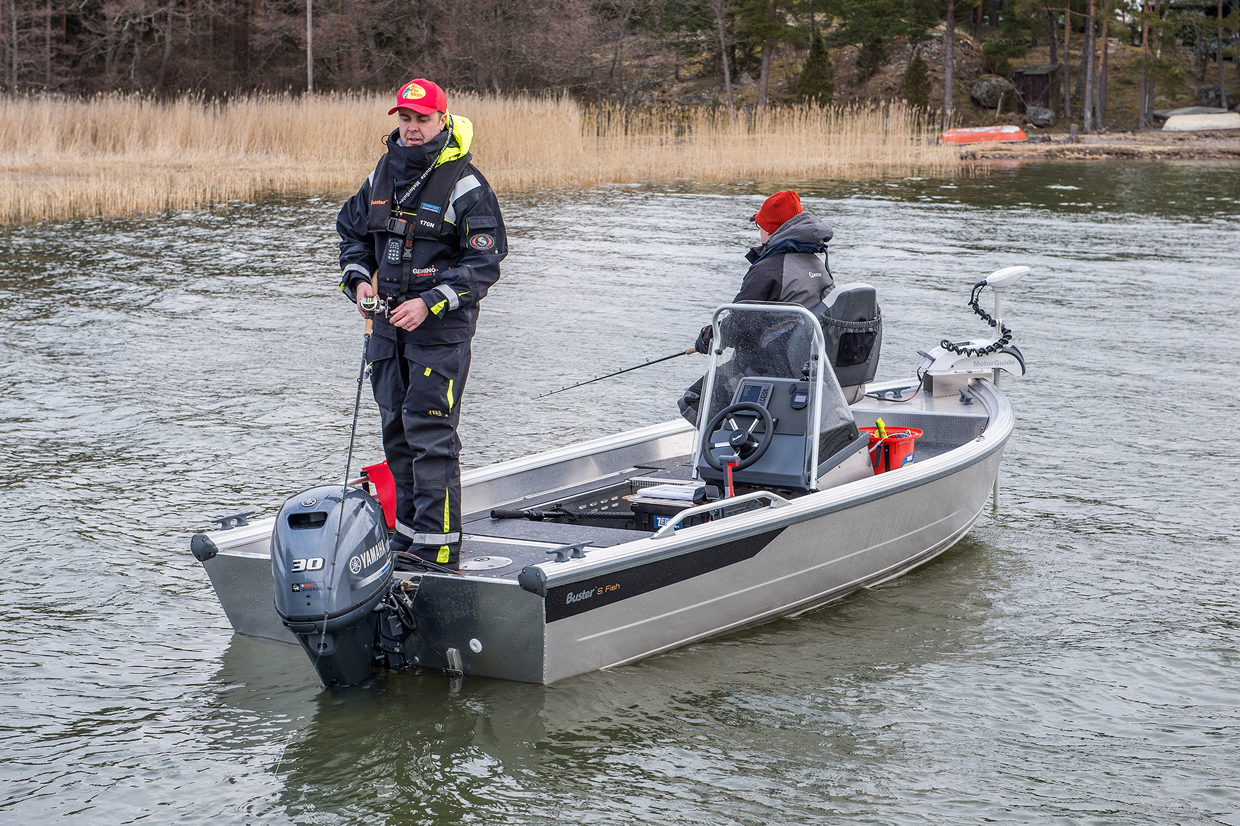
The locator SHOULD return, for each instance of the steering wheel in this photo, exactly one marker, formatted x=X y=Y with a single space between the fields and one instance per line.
x=748 y=448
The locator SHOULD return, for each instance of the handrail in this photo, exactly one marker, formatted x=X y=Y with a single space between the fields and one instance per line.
x=669 y=528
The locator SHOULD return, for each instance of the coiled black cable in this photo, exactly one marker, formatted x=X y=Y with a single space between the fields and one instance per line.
x=1005 y=334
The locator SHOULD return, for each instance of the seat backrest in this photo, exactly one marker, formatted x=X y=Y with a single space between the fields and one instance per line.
x=853 y=326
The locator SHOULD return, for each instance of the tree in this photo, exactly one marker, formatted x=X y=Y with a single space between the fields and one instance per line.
x=1100 y=92
x=817 y=83
x=949 y=35
x=1088 y=59
x=917 y=83
x=310 y=46
x=1067 y=56
x=1051 y=41
x=762 y=22
x=870 y=58
x=1218 y=44
x=720 y=10
x=1146 y=92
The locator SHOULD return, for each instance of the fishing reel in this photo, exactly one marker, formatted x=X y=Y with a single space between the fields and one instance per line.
x=373 y=304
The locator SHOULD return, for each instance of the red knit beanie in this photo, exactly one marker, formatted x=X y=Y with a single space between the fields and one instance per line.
x=776 y=209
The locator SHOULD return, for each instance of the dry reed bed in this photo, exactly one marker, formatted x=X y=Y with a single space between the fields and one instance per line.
x=119 y=155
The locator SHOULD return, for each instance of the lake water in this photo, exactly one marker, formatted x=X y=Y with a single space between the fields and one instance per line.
x=1076 y=659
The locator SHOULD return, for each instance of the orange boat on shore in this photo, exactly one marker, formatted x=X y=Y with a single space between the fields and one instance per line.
x=983 y=134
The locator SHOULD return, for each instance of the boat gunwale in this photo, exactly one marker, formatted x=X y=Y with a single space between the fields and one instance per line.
x=999 y=427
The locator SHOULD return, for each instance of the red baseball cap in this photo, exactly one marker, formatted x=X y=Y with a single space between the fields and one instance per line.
x=776 y=209
x=420 y=96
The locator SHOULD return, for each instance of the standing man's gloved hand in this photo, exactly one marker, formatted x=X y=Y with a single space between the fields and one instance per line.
x=704 y=339
x=364 y=290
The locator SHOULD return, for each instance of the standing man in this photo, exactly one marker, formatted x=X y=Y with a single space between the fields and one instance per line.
x=785 y=267
x=427 y=226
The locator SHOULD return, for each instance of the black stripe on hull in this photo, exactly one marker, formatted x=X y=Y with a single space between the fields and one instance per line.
x=569 y=600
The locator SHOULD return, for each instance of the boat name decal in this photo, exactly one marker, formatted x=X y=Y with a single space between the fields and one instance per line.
x=578 y=597
x=995 y=362
x=570 y=599
x=589 y=592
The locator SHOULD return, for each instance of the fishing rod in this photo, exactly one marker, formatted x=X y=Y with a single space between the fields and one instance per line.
x=618 y=372
x=369 y=304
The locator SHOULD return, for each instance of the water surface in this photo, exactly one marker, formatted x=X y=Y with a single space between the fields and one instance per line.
x=1074 y=660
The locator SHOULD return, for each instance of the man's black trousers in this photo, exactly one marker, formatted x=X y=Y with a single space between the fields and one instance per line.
x=418 y=390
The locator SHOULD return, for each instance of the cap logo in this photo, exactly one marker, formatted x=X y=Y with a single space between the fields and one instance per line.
x=413 y=92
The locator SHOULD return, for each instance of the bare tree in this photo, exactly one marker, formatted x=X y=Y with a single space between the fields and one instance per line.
x=310 y=46
x=949 y=36
x=1218 y=45
x=768 y=47
x=1089 y=68
x=1100 y=89
x=719 y=10
x=1053 y=53
x=1067 y=59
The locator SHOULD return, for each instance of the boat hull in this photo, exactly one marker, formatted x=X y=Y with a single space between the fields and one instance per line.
x=656 y=592
x=983 y=134
x=1203 y=123
x=813 y=560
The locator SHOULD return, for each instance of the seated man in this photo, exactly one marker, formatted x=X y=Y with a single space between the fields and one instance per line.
x=785 y=267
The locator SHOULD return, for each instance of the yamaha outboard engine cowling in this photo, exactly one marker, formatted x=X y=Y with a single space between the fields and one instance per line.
x=327 y=588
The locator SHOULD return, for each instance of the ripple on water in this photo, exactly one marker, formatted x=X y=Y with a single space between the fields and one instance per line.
x=1071 y=661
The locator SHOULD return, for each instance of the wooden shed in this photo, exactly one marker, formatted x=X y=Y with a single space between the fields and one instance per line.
x=1039 y=85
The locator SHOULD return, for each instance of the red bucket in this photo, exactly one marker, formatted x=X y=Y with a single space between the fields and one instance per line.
x=385 y=491
x=893 y=452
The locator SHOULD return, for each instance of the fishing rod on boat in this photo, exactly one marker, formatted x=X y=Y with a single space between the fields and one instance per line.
x=618 y=372
x=370 y=304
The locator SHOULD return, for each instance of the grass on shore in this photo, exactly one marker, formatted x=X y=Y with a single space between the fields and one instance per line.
x=118 y=155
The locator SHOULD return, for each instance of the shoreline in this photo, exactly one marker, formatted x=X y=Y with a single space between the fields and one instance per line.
x=1146 y=145
x=119 y=155
x=123 y=156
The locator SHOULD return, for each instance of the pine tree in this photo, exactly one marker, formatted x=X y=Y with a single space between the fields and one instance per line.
x=917 y=83
x=870 y=59
x=817 y=83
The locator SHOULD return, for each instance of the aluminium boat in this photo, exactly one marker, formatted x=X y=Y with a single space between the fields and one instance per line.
x=802 y=482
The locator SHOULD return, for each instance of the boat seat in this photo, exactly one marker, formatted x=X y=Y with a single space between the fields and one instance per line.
x=852 y=324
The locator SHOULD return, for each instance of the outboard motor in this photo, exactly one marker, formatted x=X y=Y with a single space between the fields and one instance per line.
x=328 y=587
x=853 y=326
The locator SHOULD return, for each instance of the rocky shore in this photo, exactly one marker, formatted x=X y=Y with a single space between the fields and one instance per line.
x=1143 y=145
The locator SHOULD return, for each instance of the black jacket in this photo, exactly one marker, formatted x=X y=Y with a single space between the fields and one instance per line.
x=786 y=269
x=452 y=272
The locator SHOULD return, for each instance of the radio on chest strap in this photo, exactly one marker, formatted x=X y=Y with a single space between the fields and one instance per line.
x=432 y=196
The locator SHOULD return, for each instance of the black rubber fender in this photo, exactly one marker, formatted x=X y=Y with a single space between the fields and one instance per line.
x=202 y=547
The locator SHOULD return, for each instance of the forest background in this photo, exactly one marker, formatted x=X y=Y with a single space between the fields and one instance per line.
x=1138 y=55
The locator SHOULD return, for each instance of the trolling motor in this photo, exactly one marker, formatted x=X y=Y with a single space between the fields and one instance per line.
x=947 y=369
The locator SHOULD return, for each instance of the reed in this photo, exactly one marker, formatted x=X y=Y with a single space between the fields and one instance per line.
x=125 y=155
